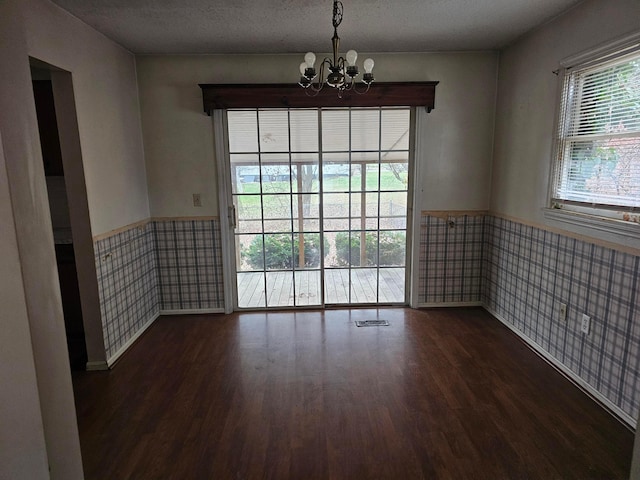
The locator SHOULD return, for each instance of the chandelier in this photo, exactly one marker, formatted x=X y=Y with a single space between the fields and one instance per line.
x=342 y=71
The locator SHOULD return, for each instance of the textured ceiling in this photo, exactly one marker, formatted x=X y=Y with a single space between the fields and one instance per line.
x=288 y=26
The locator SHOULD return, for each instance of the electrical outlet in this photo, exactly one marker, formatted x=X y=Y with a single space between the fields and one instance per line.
x=586 y=323
x=197 y=201
x=562 y=312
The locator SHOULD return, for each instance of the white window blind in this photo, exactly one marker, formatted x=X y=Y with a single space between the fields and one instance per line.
x=598 y=144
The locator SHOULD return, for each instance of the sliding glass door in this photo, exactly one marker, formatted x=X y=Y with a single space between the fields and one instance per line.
x=320 y=198
x=365 y=159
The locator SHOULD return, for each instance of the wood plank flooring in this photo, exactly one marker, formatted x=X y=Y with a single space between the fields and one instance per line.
x=439 y=394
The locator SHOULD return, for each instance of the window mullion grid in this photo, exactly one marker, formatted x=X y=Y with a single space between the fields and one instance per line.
x=379 y=211
x=300 y=245
x=350 y=266
x=264 y=250
x=321 y=207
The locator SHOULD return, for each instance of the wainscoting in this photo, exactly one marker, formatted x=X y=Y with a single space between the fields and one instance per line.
x=154 y=267
x=127 y=284
x=526 y=273
x=520 y=273
x=451 y=249
x=529 y=272
x=189 y=256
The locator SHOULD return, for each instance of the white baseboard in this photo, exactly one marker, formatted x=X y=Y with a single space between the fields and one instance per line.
x=567 y=373
x=131 y=341
x=450 y=304
x=192 y=311
x=97 y=366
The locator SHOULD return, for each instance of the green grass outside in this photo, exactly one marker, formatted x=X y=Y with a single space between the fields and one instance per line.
x=388 y=181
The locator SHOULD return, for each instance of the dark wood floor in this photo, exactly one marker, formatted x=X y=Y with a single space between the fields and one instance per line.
x=304 y=395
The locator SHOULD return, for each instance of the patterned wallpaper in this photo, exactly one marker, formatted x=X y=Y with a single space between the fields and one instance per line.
x=162 y=265
x=189 y=256
x=127 y=284
x=520 y=272
x=525 y=274
x=529 y=272
x=450 y=258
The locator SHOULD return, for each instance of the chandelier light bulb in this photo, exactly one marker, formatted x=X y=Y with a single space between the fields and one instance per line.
x=310 y=59
x=368 y=65
x=352 y=57
x=303 y=67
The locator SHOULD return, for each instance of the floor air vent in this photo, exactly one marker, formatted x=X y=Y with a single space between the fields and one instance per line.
x=372 y=323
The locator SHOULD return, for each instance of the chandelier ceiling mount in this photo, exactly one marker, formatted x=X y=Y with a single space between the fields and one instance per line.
x=342 y=70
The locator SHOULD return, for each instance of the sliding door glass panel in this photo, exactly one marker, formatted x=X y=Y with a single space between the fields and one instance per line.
x=393 y=210
x=392 y=281
x=273 y=129
x=371 y=147
x=248 y=213
x=275 y=160
x=280 y=289
x=336 y=285
x=251 y=290
x=395 y=129
x=365 y=130
x=309 y=287
x=304 y=172
x=242 y=131
x=335 y=131
x=304 y=131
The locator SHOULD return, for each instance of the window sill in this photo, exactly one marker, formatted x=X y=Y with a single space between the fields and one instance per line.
x=607 y=229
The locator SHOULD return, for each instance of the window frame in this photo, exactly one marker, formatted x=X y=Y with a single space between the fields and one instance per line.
x=620 y=220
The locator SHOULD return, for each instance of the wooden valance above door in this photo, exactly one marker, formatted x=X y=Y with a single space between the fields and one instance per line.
x=405 y=94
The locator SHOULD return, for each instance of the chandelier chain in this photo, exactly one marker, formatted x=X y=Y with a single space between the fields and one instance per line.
x=337 y=14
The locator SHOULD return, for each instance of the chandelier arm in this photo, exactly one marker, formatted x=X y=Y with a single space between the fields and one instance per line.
x=323 y=66
x=315 y=88
x=311 y=89
x=348 y=85
x=328 y=61
x=360 y=92
x=319 y=85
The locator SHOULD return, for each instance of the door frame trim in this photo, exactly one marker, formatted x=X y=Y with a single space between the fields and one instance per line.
x=419 y=152
x=414 y=197
x=224 y=188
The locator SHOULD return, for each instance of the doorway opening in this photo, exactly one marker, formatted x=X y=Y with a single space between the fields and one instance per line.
x=320 y=200
x=69 y=210
x=60 y=219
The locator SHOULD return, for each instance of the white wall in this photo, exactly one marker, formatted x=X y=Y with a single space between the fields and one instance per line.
x=22 y=445
x=178 y=137
x=105 y=86
x=37 y=393
x=527 y=96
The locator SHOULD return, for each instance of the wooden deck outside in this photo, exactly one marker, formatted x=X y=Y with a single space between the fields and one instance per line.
x=280 y=291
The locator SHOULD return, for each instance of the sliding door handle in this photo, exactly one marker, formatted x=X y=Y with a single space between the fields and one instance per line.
x=232 y=216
